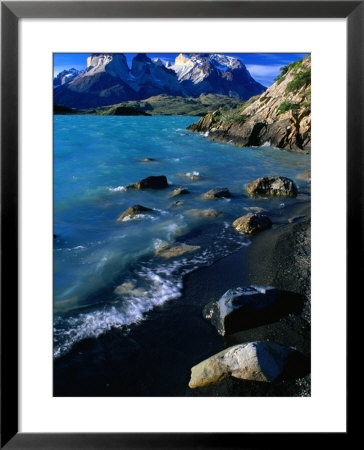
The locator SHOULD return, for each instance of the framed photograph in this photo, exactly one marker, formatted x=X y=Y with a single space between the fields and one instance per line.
x=159 y=173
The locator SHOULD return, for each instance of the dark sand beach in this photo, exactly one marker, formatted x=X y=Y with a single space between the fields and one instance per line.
x=155 y=357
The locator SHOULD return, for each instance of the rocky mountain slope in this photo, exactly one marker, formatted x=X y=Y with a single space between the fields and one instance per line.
x=280 y=117
x=108 y=80
x=65 y=77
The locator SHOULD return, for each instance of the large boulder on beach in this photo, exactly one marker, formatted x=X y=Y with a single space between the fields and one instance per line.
x=216 y=193
x=252 y=223
x=275 y=186
x=134 y=211
x=239 y=307
x=179 y=191
x=254 y=361
x=171 y=251
x=152 y=182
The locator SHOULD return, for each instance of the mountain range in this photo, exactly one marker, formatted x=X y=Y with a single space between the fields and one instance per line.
x=108 y=79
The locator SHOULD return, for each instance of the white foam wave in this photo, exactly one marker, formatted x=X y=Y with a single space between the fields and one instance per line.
x=139 y=217
x=118 y=189
x=152 y=284
x=266 y=144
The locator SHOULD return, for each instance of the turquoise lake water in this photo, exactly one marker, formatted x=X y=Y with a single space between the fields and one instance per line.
x=94 y=158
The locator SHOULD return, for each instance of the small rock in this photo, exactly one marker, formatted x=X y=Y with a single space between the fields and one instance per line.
x=204 y=213
x=148 y=160
x=133 y=211
x=216 y=193
x=237 y=307
x=254 y=361
x=179 y=191
x=252 y=223
x=152 y=182
x=276 y=185
x=168 y=251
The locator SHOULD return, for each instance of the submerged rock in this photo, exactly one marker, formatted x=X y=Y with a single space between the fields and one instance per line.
x=168 y=251
x=275 y=185
x=254 y=209
x=152 y=182
x=124 y=288
x=239 y=307
x=216 y=193
x=191 y=175
x=252 y=223
x=133 y=211
x=179 y=191
x=177 y=204
x=204 y=213
x=304 y=175
x=148 y=160
x=254 y=361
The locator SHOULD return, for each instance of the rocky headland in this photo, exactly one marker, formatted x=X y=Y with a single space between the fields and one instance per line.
x=280 y=117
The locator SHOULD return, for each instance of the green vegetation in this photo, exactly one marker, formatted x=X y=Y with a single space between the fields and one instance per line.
x=166 y=105
x=302 y=78
x=286 y=106
x=280 y=77
x=121 y=110
x=235 y=118
x=302 y=75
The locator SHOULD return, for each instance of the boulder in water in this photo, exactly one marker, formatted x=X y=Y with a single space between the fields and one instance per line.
x=254 y=361
x=252 y=223
x=216 y=193
x=134 y=211
x=272 y=186
x=179 y=191
x=152 y=182
x=170 y=251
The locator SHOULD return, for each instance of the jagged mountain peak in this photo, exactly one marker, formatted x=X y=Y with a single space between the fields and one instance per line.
x=113 y=63
x=66 y=76
x=109 y=79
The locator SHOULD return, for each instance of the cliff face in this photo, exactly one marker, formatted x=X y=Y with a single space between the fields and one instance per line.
x=280 y=117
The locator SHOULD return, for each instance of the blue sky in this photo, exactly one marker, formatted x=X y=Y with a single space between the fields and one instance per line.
x=264 y=67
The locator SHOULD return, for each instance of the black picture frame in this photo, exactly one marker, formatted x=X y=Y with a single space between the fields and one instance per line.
x=11 y=12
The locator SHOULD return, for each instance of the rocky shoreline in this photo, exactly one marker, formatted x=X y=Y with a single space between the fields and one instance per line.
x=280 y=117
x=265 y=351
x=278 y=257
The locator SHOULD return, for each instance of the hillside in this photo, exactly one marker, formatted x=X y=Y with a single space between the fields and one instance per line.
x=280 y=117
x=164 y=105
